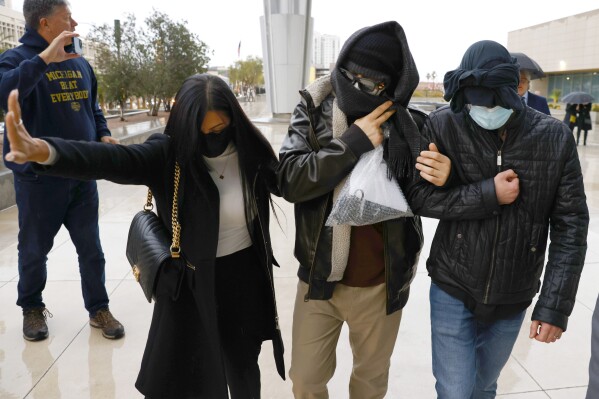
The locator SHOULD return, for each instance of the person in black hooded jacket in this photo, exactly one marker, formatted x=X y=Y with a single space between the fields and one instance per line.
x=359 y=275
x=515 y=175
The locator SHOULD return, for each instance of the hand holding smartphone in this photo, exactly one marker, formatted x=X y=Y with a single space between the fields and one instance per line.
x=77 y=46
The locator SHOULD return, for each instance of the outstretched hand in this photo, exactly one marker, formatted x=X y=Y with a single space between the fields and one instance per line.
x=434 y=167
x=23 y=147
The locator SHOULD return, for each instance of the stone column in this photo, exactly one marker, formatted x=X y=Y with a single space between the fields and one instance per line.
x=286 y=28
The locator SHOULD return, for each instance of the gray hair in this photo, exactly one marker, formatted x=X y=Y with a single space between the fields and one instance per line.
x=526 y=74
x=34 y=10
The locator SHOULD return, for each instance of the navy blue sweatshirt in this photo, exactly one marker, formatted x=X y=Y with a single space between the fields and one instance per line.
x=57 y=100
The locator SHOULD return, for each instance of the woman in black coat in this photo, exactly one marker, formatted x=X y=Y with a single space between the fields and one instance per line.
x=583 y=122
x=210 y=316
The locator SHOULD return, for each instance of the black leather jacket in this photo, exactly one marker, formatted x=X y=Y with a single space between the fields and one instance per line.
x=496 y=253
x=308 y=179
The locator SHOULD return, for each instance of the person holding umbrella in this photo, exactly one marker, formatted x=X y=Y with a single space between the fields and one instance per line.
x=583 y=122
x=530 y=70
x=581 y=102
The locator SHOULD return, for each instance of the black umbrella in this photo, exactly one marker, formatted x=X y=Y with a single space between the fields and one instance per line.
x=529 y=64
x=578 y=97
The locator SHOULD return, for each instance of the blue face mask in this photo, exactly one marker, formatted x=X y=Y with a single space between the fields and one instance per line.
x=490 y=118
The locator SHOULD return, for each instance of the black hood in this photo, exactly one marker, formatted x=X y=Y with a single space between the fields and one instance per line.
x=405 y=75
x=33 y=39
x=488 y=75
x=383 y=46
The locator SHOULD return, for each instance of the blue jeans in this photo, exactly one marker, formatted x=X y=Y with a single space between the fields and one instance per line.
x=468 y=355
x=593 y=389
x=46 y=203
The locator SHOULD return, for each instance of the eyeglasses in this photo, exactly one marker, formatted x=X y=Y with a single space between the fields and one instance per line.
x=366 y=85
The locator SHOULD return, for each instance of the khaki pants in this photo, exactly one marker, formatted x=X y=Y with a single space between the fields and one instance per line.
x=316 y=328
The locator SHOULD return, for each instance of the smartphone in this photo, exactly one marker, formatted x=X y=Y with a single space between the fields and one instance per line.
x=77 y=46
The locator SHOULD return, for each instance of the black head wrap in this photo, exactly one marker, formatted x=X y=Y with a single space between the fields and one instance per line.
x=382 y=52
x=488 y=75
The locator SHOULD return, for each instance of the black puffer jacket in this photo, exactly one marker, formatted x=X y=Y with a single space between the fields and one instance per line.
x=308 y=178
x=496 y=253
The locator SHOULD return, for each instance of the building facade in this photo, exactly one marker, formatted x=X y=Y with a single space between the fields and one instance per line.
x=12 y=25
x=326 y=49
x=567 y=50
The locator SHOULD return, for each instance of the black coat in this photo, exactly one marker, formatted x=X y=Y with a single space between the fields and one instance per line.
x=570 y=112
x=538 y=102
x=496 y=253
x=182 y=357
x=583 y=118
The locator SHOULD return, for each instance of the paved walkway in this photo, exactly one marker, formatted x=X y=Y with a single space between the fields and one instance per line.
x=76 y=362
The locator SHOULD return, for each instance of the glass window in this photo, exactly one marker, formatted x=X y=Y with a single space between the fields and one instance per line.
x=595 y=86
x=586 y=82
x=576 y=82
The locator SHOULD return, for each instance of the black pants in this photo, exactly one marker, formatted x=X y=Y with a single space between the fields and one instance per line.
x=586 y=132
x=243 y=307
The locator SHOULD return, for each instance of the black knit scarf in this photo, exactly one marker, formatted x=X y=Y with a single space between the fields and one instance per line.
x=403 y=145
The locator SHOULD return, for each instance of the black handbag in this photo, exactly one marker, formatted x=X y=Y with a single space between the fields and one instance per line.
x=149 y=245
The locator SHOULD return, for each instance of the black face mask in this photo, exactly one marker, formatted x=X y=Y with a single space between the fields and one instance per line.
x=214 y=144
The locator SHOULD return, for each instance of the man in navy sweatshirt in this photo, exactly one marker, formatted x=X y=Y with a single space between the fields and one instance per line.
x=58 y=92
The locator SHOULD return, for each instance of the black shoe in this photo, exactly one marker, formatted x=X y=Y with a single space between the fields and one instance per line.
x=34 y=323
x=111 y=328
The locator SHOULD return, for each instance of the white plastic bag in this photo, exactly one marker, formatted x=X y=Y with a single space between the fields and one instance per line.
x=368 y=196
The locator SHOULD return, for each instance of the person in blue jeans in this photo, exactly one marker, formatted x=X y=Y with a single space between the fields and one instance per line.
x=515 y=175
x=58 y=90
x=593 y=388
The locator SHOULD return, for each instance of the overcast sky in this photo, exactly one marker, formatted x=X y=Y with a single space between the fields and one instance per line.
x=438 y=31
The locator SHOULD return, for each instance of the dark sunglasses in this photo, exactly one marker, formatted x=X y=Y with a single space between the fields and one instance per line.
x=366 y=85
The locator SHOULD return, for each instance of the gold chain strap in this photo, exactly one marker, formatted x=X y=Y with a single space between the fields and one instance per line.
x=175 y=248
x=149 y=205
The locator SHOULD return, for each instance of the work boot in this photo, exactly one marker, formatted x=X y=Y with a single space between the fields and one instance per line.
x=34 y=323
x=111 y=328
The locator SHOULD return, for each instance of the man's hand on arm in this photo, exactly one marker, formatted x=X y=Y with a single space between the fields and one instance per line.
x=434 y=167
x=109 y=140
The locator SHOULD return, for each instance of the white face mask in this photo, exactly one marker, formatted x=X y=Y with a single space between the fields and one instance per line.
x=490 y=118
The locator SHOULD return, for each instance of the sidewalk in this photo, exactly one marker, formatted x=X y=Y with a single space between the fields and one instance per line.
x=76 y=362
